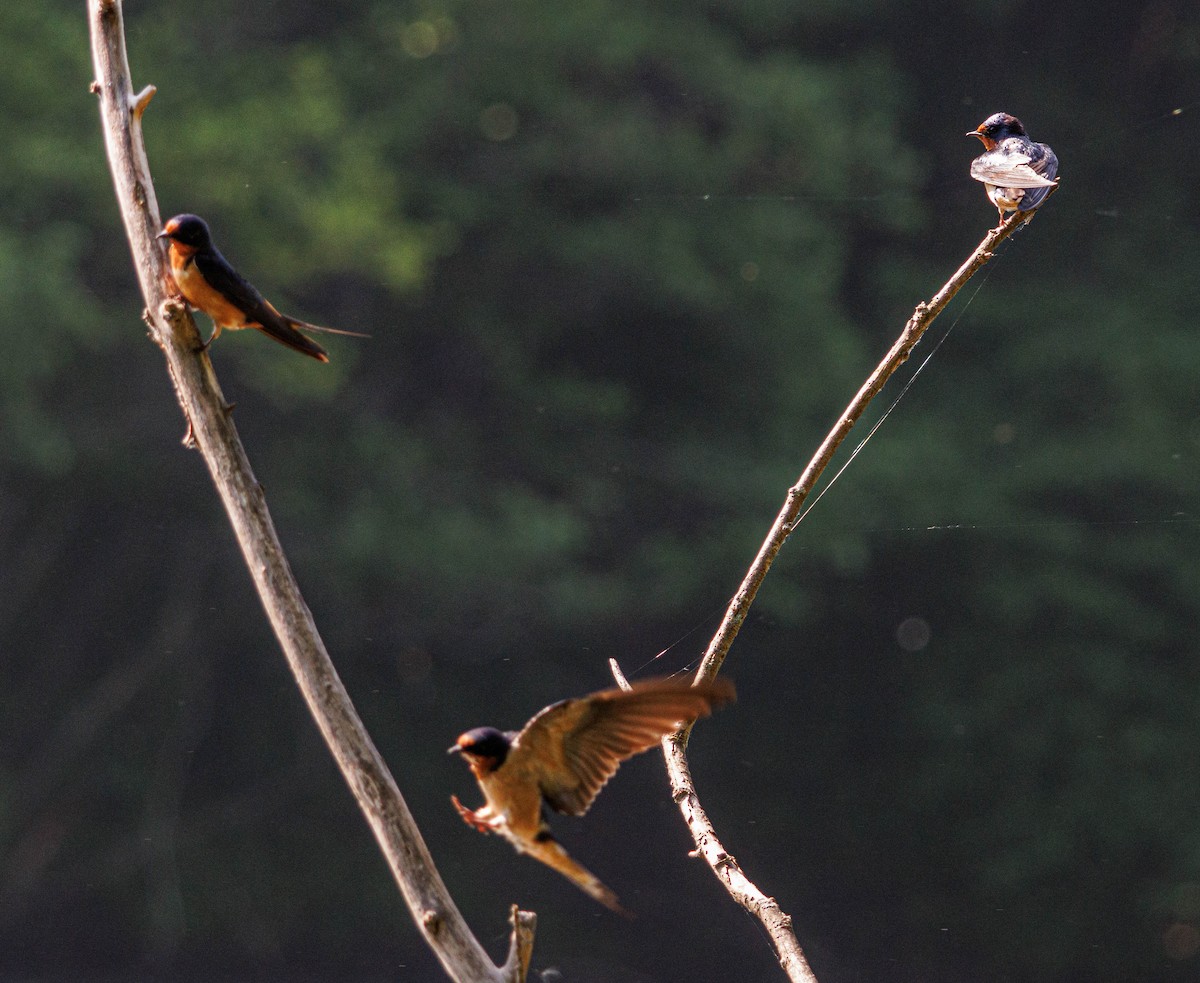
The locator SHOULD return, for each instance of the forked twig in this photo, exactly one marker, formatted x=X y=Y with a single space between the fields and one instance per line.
x=777 y=923
x=212 y=433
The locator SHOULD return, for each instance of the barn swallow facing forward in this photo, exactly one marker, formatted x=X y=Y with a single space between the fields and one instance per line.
x=209 y=283
x=1017 y=172
x=565 y=755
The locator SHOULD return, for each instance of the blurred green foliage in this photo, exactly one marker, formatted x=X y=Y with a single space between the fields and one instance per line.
x=622 y=266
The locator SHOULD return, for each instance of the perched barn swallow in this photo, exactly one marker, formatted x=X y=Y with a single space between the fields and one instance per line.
x=565 y=755
x=209 y=283
x=1017 y=172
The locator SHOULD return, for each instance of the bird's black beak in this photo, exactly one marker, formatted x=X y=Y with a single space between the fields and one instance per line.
x=163 y=235
x=973 y=133
x=454 y=750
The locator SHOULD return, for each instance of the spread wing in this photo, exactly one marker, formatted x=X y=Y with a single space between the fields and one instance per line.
x=574 y=747
x=1007 y=169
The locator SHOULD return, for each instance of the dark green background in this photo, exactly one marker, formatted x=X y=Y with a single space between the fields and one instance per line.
x=622 y=264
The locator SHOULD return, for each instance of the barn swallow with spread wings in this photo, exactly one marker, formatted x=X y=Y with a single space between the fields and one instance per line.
x=1017 y=172
x=208 y=283
x=565 y=755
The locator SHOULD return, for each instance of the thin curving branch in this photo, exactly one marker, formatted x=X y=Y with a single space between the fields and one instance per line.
x=211 y=431
x=777 y=923
x=785 y=522
x=744 y=891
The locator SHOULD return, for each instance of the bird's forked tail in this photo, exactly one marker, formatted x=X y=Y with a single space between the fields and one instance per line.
x=547 y=849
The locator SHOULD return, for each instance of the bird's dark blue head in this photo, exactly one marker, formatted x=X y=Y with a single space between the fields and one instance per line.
x=997 y=127
x=483 y=744
x=187 y=230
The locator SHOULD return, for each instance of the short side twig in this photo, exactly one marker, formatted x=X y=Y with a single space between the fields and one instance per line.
x=520 y=949
x=741 y=888
x=212 y=433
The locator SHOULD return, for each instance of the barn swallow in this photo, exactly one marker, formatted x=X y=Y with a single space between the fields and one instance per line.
x=565 y=755
x=1017 y=172
x=209 y=283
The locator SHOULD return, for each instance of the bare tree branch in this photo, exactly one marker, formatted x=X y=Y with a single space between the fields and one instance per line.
x=920 y=321
x=683 y=790
x=777 y=923
x=211 y=431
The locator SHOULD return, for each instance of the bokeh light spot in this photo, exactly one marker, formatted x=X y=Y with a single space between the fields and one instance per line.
x=913 y=634
x=419 y=39
x=498 y=122
x=1181 y=940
